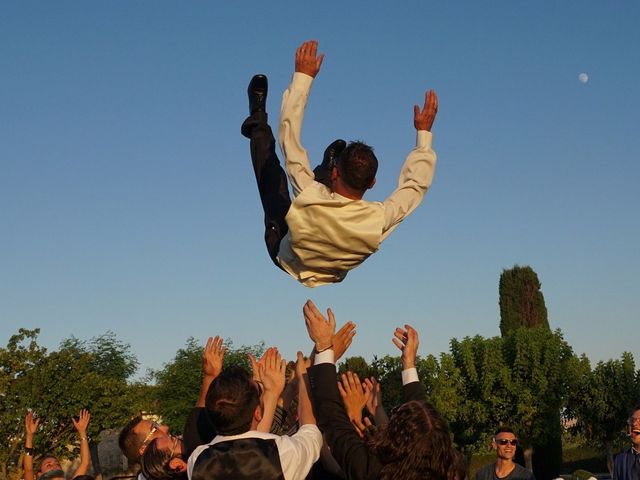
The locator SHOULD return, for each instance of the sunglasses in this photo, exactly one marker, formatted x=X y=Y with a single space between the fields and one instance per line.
x=154 y=428
x=506 y=441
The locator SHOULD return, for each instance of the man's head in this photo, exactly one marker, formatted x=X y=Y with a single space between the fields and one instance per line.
x=233 y=401
x=356 y=168
x=47 y=464
x=163 y=458
x=137 y=434
x=505 y=442
x=634 y=427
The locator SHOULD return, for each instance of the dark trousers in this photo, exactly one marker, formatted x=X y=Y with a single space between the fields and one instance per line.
x=271 y=179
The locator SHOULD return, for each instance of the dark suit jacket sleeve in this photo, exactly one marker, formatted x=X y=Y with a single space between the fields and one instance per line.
x=413 y=391
x=346 y=446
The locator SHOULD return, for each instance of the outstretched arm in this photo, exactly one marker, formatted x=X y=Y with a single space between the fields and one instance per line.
x=406 y=339
x=294 y=101
x=273 y=380
x=31 y=425
x=416 y=174
x=212 y=359
x=81 y=427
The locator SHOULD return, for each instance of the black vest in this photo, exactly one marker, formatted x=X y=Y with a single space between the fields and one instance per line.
x=241 y=459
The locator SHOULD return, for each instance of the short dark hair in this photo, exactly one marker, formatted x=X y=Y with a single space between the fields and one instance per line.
x=358 y=166
x=128 y=440
x=155 y=463
x=231 y=401
x=504 y=430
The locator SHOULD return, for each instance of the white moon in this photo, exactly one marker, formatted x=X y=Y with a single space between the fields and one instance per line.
x=583 y=77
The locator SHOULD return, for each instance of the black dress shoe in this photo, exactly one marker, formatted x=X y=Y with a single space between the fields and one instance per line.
x=332 y=152
x=257 y=91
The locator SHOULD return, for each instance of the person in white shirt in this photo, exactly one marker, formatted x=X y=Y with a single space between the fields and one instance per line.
x=329 y=228
x=240 y=451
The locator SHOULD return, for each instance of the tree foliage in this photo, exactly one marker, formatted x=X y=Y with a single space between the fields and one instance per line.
x=521 y=301
x=601 y=400
x=178 y=382
x=56 y=385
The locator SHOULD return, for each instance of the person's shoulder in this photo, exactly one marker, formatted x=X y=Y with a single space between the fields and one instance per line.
x=521 y=473
x=486 y=472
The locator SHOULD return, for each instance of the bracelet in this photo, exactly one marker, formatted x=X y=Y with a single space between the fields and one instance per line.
x=84 y=438
x=324 y=349
x=28 y=451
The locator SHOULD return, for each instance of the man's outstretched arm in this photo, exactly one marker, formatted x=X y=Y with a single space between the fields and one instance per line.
x=416 y=174
x=294 y=101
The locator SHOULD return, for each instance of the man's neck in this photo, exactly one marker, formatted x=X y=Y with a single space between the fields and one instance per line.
x=342 y=189
x=504 y=467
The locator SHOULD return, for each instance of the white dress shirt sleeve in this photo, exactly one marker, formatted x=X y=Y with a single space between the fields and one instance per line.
x=416 y=176
x=294 y=101
x=299 y=452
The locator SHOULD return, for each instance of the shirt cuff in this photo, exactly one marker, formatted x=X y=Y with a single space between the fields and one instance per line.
x=326 y=356
x=409 y=375
x=424 y=138
x=301 y=81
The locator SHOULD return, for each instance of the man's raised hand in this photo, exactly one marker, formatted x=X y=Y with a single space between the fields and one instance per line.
x=82 y=422
x=274 y=373
x=31 y=423
x=406 y=339
x=342 y=339
x=212 y=357
x=307 y=60
x=320 y=329
x=423 y=119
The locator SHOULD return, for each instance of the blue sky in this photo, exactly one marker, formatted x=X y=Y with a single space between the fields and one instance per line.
x=128 y=201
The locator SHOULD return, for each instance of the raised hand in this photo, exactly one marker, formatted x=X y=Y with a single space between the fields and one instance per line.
x=371 y=385
x=274 y=372
x=406 y=339
x=319 y=328
x=307 y=60
x=31 y=423
x=423 y=119
x=354 y=396
x=257 y=366
x=213 y=357
x=342 y=339
x=82 y=422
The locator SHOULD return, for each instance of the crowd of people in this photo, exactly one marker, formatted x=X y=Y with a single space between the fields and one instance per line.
x=303 y=420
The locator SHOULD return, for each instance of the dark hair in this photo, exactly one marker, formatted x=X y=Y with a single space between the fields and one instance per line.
x=357 y=165
x=504 y=430
x=231 y=401
x=129 y=441
x=634 y=410
x=416 y=444
x=155 y=463
x=84 y=477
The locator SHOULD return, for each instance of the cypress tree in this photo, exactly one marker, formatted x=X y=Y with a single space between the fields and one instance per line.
x=521 y=301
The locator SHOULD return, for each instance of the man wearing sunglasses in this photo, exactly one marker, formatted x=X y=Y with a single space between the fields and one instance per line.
x=627 y=463
x=505 y=443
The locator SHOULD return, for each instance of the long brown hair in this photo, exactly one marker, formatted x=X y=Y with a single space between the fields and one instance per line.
x=416 y=444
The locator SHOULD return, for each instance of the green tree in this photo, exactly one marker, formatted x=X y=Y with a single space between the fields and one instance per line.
x=484 y=390
x=601 y=401
x=57 y=385
x=178 y=382
x=521 y=301
x=356 y=365
x=543 y=370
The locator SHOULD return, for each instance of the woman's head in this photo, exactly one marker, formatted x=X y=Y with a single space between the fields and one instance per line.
x=416 y=443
